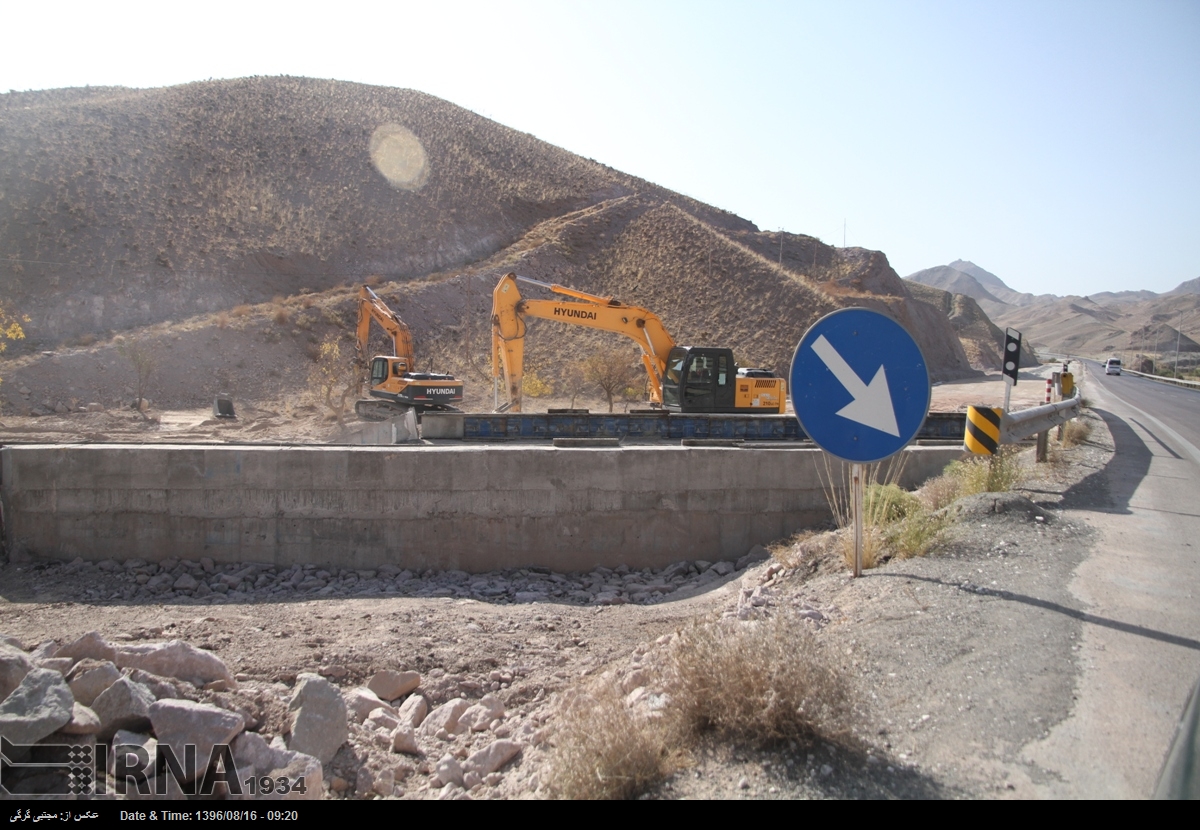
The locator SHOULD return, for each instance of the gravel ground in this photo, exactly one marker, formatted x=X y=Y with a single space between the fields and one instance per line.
x=956 y=659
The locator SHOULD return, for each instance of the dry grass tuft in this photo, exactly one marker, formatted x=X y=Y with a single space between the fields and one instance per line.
x=757 y=681
x=241 y=310
x=222 y=320
x=998 y=473
x=1076 y=432
x=281 y=316
x=604 y=750
x=938 y=492
x=883 y=504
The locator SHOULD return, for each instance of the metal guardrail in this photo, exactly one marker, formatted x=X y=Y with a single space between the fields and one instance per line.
x=1018 y=425
x=1189 y=384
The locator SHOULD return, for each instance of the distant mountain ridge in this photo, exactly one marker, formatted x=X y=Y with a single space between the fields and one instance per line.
x=1097 y=324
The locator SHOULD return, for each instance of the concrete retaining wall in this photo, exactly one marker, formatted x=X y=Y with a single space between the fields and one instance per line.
x=472 y=508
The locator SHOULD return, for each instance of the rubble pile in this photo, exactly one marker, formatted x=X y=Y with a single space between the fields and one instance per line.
x=144 y=710
x=205 y=580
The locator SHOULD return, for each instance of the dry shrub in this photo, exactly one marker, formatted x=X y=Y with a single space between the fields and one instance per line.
x=241 y=310
x=222 y=320
x=938 y=492
x=307 y=301
x=997 y=473
x=757 y=681
x=374 y=280
x=916 y=533
x=281 y=316
x=605 y=750
x=1075 y=432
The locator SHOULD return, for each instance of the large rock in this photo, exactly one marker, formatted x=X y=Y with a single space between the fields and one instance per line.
x=83 y=721
x=183 y=723
x=448 y=771
x=90 y=646
x=44 y=651
x=404 y=739
x=161 y=687
x=445 y=717
x=492 y=757
x=14 y=665
x=479 y=716
x=390 y=685
x=382 y=718
x=90 y=678
x=175 y=658
x=413 y=711
x=62 y=665
x=39 y=706
x=319 y=725
x=256 y=758
x=137 y=753
x=361 y=702
x=123 y=705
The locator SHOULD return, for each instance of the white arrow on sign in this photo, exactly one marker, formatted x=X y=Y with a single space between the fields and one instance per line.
x=872 y=404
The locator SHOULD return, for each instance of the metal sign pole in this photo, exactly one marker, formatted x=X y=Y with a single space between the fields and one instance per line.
x=860 y=390
x=856 y=501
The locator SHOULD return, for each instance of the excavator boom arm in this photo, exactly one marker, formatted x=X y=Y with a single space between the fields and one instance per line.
x=371 y=307
x=509 y=311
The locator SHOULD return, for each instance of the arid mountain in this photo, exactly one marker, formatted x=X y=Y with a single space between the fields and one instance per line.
x=190 y=213
x=1191 y=286
x=1129 y=322
x=982 y=339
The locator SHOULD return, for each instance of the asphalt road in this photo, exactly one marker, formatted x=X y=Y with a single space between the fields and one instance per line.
x=1140 y=652
x=1175 y=407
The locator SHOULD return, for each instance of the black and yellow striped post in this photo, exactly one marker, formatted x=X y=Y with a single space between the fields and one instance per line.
x=983 y=430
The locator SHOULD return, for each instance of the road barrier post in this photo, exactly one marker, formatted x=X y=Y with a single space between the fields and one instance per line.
x=982 y=435
x=1043 y=439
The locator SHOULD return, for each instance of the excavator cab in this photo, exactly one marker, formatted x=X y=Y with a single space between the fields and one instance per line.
x=392 y=380
x=706 y=380
x=384 y=367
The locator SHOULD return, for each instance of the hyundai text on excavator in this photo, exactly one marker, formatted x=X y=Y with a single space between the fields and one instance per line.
x=682 y=378
x=395 y=384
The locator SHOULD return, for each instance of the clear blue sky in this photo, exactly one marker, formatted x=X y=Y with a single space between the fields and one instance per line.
x=1056 y=144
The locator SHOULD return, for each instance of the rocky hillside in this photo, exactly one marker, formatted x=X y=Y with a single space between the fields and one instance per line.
x=1134 y=322
x=167 y=212
x=982 y=339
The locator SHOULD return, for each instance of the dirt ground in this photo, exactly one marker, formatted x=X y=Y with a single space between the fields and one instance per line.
x=282 y=420
x=955 y=660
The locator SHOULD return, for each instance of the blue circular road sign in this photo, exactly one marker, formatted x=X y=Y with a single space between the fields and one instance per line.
x=860 y=385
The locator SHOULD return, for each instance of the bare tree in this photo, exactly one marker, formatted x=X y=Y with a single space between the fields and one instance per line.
x=612 y=370
x=574 y=379
x=329 y=380
x=144 y=360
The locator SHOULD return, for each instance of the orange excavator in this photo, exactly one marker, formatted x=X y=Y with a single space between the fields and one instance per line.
x=682 y=378
x=395 y=384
